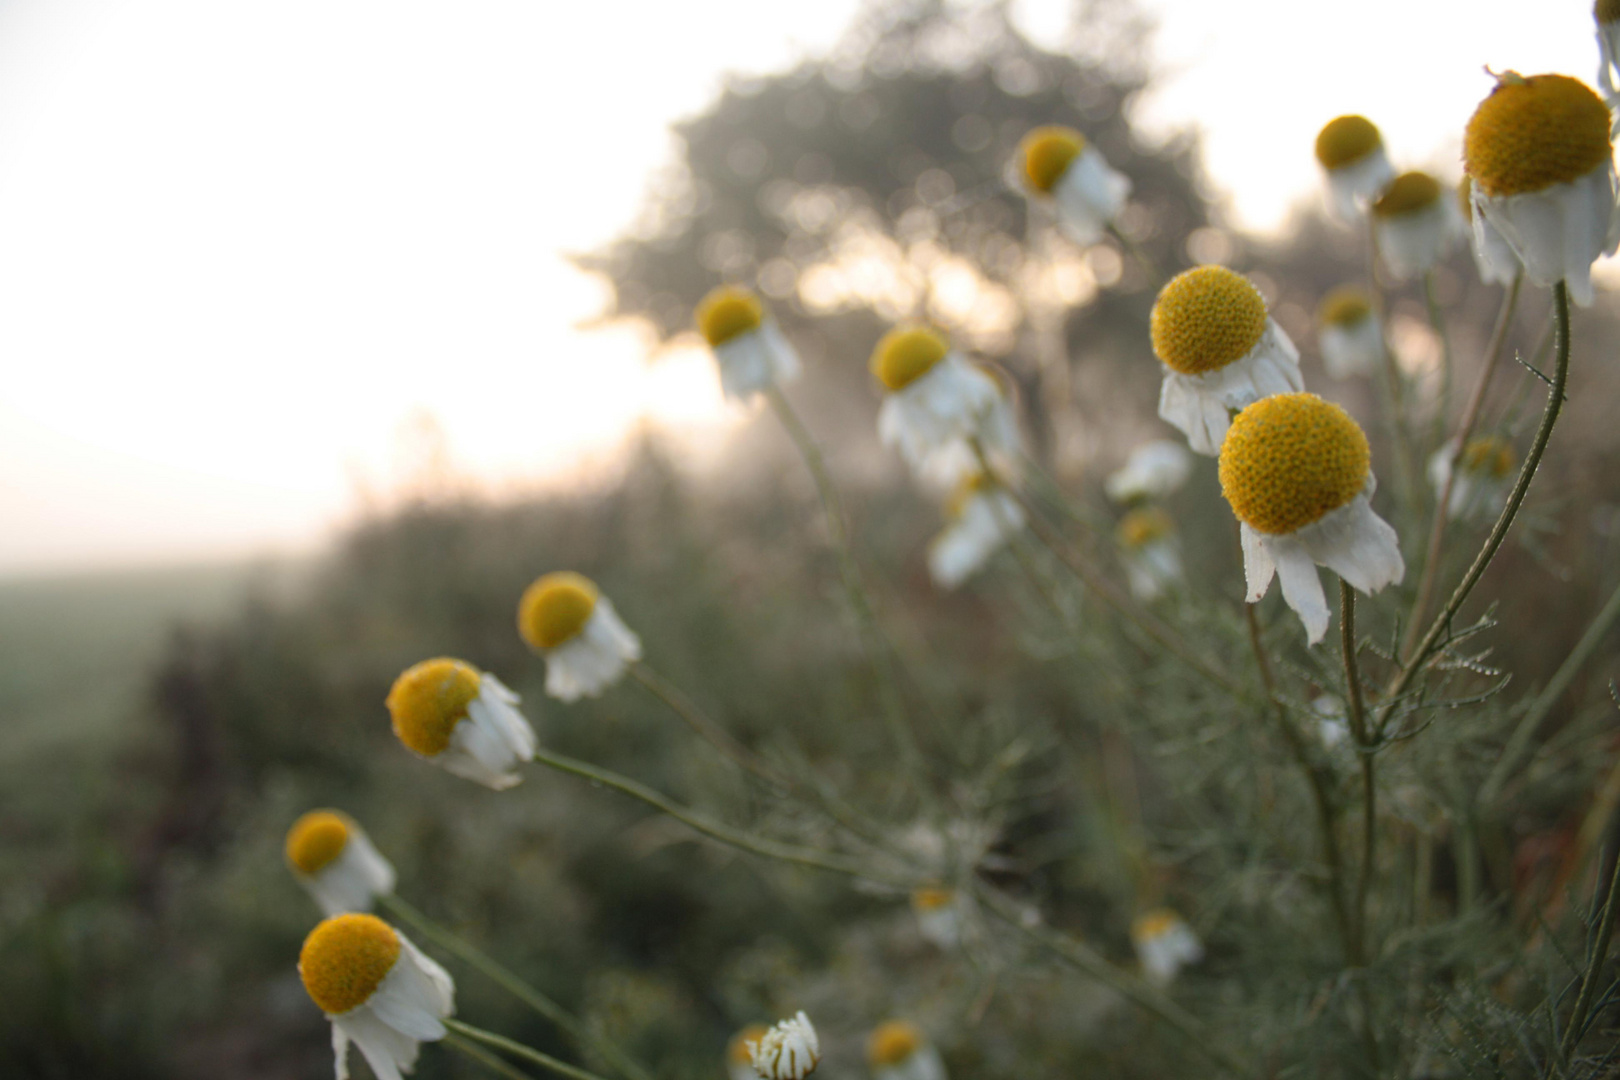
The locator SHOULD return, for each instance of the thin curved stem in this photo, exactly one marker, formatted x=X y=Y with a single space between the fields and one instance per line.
x=515 y=985
x=1598 y=954
x=517 y=1049
x=498 y=1066
x=1358 y=730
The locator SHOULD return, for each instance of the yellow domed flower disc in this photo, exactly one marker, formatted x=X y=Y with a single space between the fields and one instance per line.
x=1489 y=455
x=892 y=1042
x=1346 y=139
x=316 y=839
x=737 y=1052
x=727 y=312
x=1205 y=319
x=905 y=354
x=1344 y=306
x=1141 y=527
x=1047 y=153
x=1606 y=11
x=1532 y=133
x=1153 y=924
x=556 y=608
x=1406 y=194
x=1290 y=459
x=429 y=700
x=345 y=959
x=932 y=898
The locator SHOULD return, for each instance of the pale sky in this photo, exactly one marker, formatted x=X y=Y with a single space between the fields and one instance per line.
x=243 y=245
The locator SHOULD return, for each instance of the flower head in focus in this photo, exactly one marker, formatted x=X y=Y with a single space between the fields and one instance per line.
x=897 y=1050
x=1220 y=350
x=466 y=720
x=1544 y=180
x=934 y=400
x=748 y=346
x=939 y=915
x=1297 y=473
x=1057 y=166
x=1348 y=331
x=1155 y=470
x=377 y=989
x=739 y=1054
x=1417 y=224
x=565 y=618
x=1351 y=153
x=1148 y=548
x=1494 y=258
x=336 y=864
x=1164 y=944
x=1484 y=476
x=981 y=516
x=788 y=1051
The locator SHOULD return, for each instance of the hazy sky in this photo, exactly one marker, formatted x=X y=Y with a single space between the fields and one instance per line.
x=243 y=245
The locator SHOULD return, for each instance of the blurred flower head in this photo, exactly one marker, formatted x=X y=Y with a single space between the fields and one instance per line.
x=1417 y=224
x=1220 y=350
x=897 y=1050
x=1349 y=333
x=1297 y=473
x=934 y=401
x=939 y=915
x=1057 y=166
x=1155 y=470
x=1606 y=13
x=565 y=618
x=751 y=351
x=1484 y=476
x=1164 y=944
x=740 y=1055
x=980 y=517
x=998 y=437
x=788 y=1051
x=378 y=990
x=336 y=863
x=1494 y=258
x=1148 y=549
x=1351 y=153
x=1544 y=180
x=451 y=713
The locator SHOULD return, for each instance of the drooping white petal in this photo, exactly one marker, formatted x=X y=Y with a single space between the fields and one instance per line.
x=1301 y=585
x=984 y=524
x=944 y=406
x=1414 y=242
x=386 y=1050
x=415 y=996
x=1088 y=196
x=1200 y=405
x=353 y=880
x=594 y=659
x=487 y=746
x=1258 y=566
x=754 y=360
x=1352 y=186
x=1559 y=231
x=1352 y=349
x=1154 y=470
x=1357 y=544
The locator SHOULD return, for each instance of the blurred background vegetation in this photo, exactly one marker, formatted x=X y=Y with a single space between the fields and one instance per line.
x=166 y=729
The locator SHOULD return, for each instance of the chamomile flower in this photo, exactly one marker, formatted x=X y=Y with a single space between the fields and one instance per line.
x=1221 y=352
x=788 y=1051
x=897 y=1050
x=1349 y=333
x=1148 y=548
x=1495 y=260
x=1351 y=153
x=1606 y=13
x=1164 y=944
x=1155 y=470
x=981 y=516
x=739 y=1056
x=378 y=990
x=998 y=436
x=1296 y=471
x=1416 y=223
x=465 y=719
x=1057 y=167
x=1539 y=153
x=335 y=862
x=569 y=622
x=939 y=915
x=934 y=400
x=1484 y=476
x=748 y=346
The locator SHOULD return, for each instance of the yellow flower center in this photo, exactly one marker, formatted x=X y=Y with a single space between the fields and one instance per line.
x=316 y=839
x=737 y=1052
x=727 y=312
x=1406 y=194
x=1289 y=459
x=1205 y=319
x=1489 y=455
x=1346 y=139
x=429 y=700
x=1047 y=153
x=892 y=1042
x=1153 y=924
x=1344 y=306
x=1532 y=133
x=556 y=608
x=905 y=354
x=345 y=959
x=932 y=898
x=1606 y=11
x=1141 y=527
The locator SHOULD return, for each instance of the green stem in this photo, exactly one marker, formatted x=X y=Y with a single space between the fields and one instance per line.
x=509 y=981
x=1369 y=808
x=1594 y=966
x=485 y=1058
x=517 y=1049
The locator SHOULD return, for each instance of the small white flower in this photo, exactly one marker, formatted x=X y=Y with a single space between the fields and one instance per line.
x=1544 y=179
x=1164 y=945
x=336 y=863
x=1057 y=167
x=939 y=915
x=451 y=713
x=998 y=436
x=1148 y=548
x=750 y=349
x=1484 y=477
x=1351 y=153
x=1155 y=470
x=569 y=622
x=897 y=1050
x=935 y=400
x=1296 y=471
x=1349 y=334
x=378 y=990
x=982 y=517
x=740 y=1054
x=1416 y=224
x=788 y=1051
x=1221 y=352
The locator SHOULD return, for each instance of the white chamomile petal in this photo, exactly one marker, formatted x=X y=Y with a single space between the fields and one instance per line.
x=984 y=523
x=1199 y=406
x=1557 y=232
x=1154 y=470
x=755 y=360
x=943 y=407
x=594 y=659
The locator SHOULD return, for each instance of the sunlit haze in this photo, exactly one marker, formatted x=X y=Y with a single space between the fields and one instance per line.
x=247 y=249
